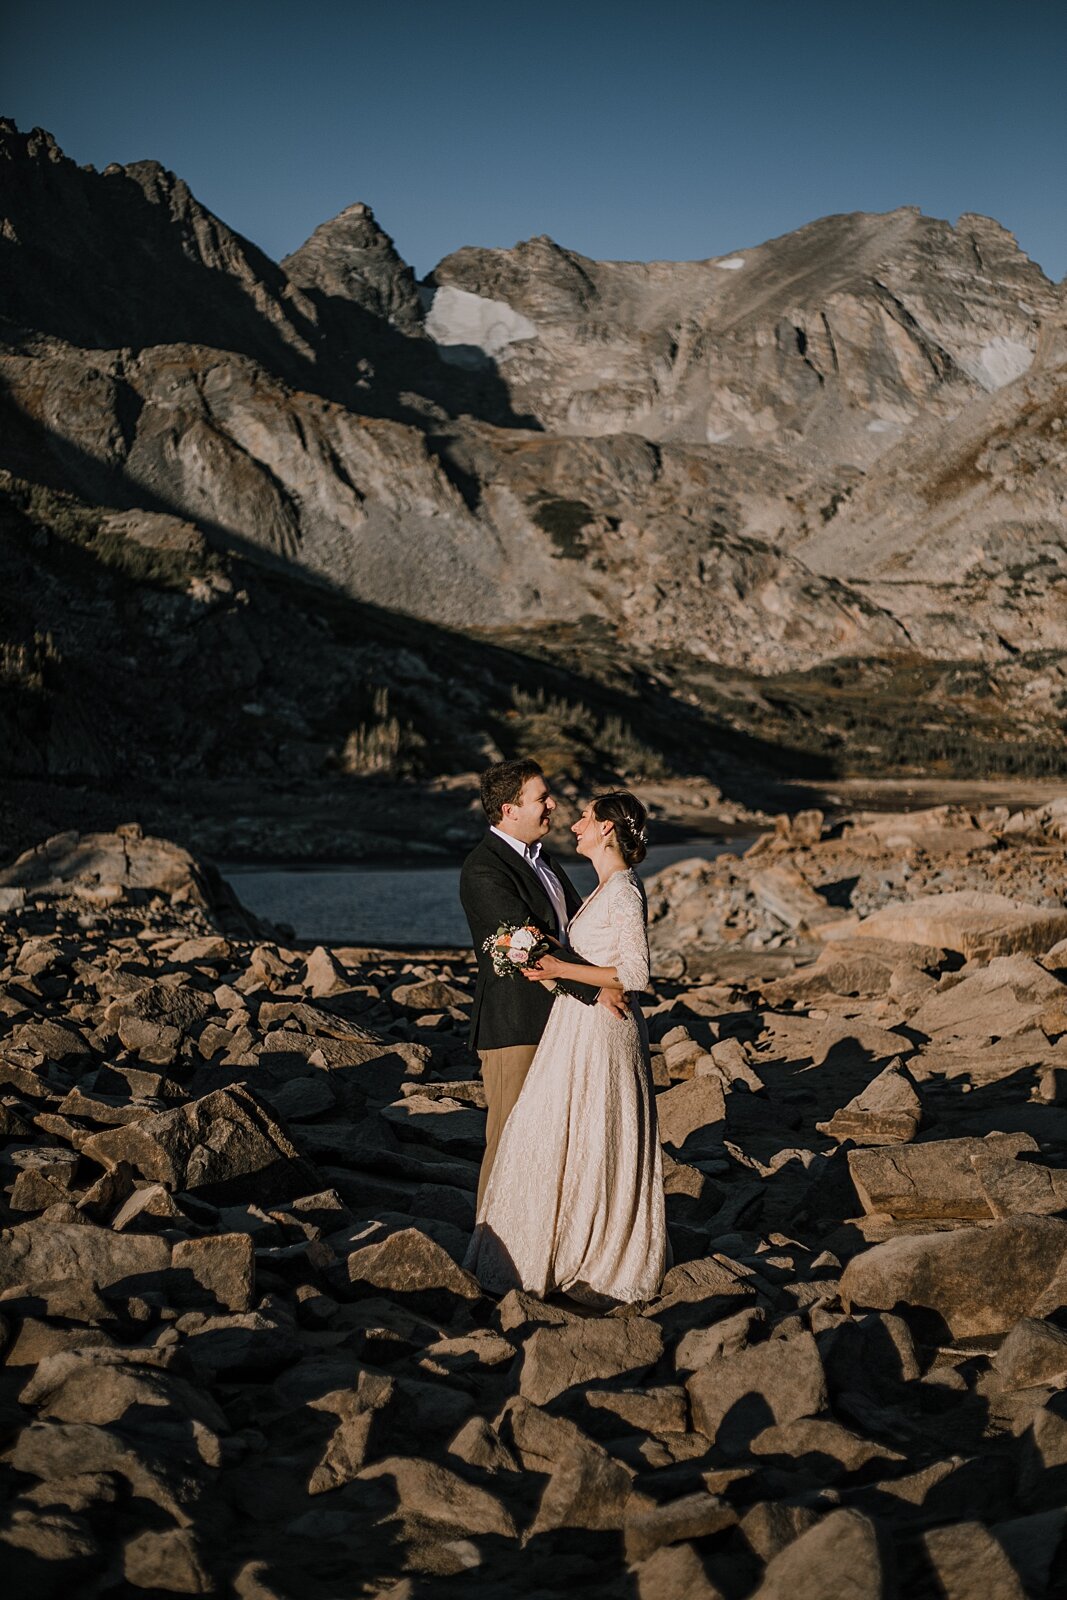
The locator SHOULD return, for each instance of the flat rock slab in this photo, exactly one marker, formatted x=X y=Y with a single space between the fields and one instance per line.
x=789 y=897
x=587 y=1487
x=737 y=1397
x=42 y=1252
x=424 y=1490
x=72 y=861
x=816 y=1441
x=555 y=1359
x=439 y=1120
x=691 y=1516
x=1006 y=998
x=694 y=1110
x=978 y=925
x=970 y=1282
x=1015 y=1188
x=936 y=1179
x=851 y=966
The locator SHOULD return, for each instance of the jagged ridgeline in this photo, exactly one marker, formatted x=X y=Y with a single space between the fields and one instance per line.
x=803 y=503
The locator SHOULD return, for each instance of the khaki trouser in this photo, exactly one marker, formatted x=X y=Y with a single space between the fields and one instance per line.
x=503 y=1073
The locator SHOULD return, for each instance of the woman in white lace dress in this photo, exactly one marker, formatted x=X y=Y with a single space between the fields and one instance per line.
x=574 y=1203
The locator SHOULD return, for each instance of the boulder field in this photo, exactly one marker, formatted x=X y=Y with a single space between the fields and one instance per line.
x=241 y=1355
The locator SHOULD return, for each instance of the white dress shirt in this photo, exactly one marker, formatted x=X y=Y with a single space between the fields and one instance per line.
x=531 y=854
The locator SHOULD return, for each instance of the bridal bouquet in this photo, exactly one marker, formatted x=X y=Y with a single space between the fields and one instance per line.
x=511 y=949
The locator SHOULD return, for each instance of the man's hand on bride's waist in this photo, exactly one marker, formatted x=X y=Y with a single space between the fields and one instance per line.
x=616 y=1000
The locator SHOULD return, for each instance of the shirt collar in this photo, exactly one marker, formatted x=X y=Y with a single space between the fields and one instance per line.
x=529 y=852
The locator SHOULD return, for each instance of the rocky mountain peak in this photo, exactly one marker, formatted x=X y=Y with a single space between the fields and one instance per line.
x=37 y=143
x=351 y=258
x=128 y=257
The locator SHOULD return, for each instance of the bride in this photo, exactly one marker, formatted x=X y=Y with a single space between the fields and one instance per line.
x=575 y=1201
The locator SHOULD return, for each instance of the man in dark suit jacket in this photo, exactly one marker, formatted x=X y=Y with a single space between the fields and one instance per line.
x=508 y=879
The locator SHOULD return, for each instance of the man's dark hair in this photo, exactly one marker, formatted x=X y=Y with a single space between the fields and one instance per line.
x=503 y=783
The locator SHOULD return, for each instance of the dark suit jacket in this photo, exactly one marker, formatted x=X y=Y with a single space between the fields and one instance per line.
x=498 y=887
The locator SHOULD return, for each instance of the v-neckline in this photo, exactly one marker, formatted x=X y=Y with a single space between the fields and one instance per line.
x=590 y=898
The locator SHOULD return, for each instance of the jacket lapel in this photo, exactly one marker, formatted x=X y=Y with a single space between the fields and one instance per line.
x=535 y=889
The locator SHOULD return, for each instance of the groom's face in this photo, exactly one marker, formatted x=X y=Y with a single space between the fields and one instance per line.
x=530 y=817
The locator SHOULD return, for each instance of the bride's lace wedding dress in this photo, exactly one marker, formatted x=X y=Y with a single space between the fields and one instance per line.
x=575 y=1201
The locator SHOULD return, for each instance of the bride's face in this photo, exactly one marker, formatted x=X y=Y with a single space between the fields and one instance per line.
x=588 y=831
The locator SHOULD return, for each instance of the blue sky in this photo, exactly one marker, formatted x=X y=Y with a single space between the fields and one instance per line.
x=678 y=130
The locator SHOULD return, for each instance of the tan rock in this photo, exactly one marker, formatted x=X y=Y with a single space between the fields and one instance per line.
x=888 y=1111
x=166 y=1561
x=41 y=1253
x=733 y=1397
x=1008 y=997
x=701 y=1347
x=587 y=1488
x=972 y=1281
x=1016 y=1187
x=223 y=1147
x=977 y=924
x=672 y=1571
x=324 y=974
x=811 y=1568
x=967 y=1560
x=809 y=1438
x=556 y=1359
x=1035 y=1352
x=788 y=896
x=695 y=1109
x=222 y=1267
x=691 y=1516
x=934 y=1179
x=660 y=1409
x=409 y=1264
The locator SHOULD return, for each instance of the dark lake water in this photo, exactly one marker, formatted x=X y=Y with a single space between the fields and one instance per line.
x=399 y=904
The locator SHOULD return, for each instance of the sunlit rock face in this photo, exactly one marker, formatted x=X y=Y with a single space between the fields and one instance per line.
x=825 y=342
x=847 y=441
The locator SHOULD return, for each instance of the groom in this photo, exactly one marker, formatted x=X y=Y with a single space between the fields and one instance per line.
x=509 y=879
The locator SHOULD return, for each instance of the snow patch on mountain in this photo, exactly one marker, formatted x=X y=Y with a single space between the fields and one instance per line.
x=459 y=321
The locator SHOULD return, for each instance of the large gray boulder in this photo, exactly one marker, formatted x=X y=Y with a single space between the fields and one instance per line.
x=970 y=1282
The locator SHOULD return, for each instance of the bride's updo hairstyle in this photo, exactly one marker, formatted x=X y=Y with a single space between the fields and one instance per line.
x=631 y=823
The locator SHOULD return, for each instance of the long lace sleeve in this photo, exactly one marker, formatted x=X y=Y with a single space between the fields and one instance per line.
x=628 y=917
